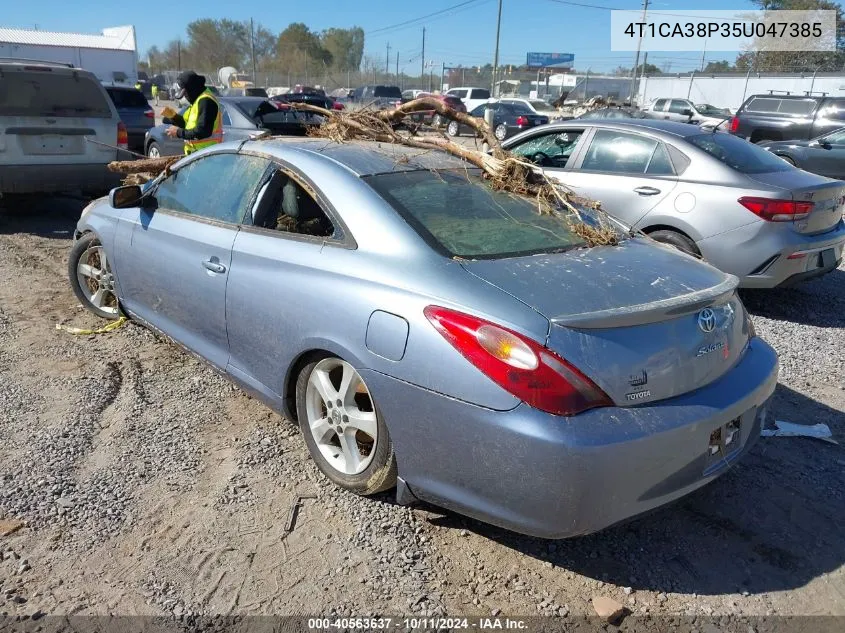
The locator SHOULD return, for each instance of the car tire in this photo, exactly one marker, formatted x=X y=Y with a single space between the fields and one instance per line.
x=374 y=471
x=436 y=121
x=453 y=129
x=91 y=282
x=153 y=150
x=676 y=239
x=501 y=131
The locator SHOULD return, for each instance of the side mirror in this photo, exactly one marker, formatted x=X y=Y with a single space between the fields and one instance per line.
x=125 y=197
x=686 y=112
x=825 y=144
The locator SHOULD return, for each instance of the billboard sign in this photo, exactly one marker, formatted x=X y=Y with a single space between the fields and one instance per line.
x=550 y=60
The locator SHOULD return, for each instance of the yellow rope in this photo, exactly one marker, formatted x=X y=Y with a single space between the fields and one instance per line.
x=106 y=328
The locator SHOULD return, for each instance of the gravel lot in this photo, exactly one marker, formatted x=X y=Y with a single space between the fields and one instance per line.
x=149 y=485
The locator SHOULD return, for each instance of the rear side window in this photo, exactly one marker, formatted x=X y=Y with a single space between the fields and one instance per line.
x=619 y=152
x=738 y=153
x=45 y=93
x=677 y=106
x=480 y=93
x=123 y=98
x=460 y=94
x=659 y=105
x=781 y=106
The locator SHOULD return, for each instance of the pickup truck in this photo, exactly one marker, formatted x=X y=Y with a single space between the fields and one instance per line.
x=685 y=111
x=774 y=117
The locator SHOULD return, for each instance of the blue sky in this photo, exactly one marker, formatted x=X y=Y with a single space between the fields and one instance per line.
x=463 y=36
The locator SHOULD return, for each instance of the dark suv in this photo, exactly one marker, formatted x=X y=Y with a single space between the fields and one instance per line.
x=378 y=96
x=135 y=112
x=775 y=117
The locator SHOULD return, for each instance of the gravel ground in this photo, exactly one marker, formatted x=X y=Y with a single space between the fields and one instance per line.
x=148 y=485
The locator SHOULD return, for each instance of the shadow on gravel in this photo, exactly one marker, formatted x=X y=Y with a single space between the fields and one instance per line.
x=820 y=302
x=48 y=216
x=772 y=523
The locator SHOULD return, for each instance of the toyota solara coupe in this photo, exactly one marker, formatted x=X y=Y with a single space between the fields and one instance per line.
x=430 y=334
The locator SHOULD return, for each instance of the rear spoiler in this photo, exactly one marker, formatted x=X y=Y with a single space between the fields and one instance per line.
x=654 y=311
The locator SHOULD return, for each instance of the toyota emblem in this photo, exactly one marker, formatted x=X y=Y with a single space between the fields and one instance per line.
x=707 y=320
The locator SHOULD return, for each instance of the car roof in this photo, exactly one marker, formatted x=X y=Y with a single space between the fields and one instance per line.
x=365 y=158
x=674 y=128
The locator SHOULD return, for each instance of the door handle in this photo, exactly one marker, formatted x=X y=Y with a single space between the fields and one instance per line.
x=647 y=191
x=214 y=267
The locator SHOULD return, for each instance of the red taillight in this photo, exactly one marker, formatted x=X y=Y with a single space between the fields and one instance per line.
x=122 y=136
x=734 y=125
x=531 y=372
x=150 y=114
x=777 y=210
x=337 y=106
x=522 y=120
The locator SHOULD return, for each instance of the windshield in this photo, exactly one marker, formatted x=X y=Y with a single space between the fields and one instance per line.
x=706 y=108
x=738 y=153
x=460 y=215
x=128 y=98
x=44 y=93
x=387 y=91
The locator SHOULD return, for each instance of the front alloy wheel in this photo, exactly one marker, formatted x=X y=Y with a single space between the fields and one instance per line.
x=91 y=277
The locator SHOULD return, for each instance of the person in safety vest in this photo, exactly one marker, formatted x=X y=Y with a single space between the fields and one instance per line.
x=201 y=125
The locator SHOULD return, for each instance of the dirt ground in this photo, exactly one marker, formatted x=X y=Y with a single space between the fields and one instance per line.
x=150 y=486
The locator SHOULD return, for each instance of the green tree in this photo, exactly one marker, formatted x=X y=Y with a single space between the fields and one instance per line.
x=346 y=47
x=298 y=49
x=796 y=61
x=722 y=66
x=217 y=43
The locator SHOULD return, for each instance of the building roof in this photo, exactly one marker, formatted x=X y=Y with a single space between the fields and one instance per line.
x=118 y=41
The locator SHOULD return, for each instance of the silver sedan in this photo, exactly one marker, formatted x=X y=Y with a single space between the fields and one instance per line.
x=435 y=335
x=710 y=194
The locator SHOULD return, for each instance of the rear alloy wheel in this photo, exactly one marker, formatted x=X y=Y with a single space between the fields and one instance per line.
x=153 y=150
x=91 y=277
x=342 y=428
x=676 y=239
x=501 y=131
x=452 y=129
x=436 y=121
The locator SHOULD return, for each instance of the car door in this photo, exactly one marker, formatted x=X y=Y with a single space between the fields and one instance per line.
x=629 y=173
x=826 y=156
x=176 y=250
x=278 y=274
x=676 y=109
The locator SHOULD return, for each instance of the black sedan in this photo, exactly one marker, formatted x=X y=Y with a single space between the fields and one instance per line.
x=244 y=118
x=311 y=98
x=824 y=155
x=508 y=119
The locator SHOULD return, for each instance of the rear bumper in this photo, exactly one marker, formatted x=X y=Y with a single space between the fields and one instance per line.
x=759 y=253
x=57 y=178
x=555 y=477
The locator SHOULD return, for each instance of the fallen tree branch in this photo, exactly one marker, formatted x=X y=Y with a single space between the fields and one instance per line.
x=147 y=165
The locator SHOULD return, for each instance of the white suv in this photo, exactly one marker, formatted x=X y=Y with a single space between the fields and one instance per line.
x=47 y=111
x=472 y=97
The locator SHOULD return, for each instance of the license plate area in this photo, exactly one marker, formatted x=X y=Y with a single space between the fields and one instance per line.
x=724 y=441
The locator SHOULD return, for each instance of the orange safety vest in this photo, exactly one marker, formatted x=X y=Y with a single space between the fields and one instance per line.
x=192 y=114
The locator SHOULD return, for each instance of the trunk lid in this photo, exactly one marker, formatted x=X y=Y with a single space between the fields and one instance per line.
x=643 y=321
x=827 y=196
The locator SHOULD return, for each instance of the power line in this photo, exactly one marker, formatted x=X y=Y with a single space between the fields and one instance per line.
x=423 y=17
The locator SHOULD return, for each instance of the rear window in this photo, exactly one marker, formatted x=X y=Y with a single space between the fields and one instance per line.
x=127 y=98
x=255 y=92
x=44 y=93
x=480 y=93
x=738 y=153
x=460 y=215
x=387 y=91
x=781 y=106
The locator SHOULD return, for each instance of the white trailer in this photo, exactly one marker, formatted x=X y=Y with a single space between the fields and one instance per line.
x=111 y=56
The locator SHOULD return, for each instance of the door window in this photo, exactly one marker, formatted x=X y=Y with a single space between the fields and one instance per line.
x=460 y=94
x=550 y=150
x=677 y=106
x=836 y=138
x=227 y=120
x=286 y=206
x=659 y=105
x=619 y=152
x=217 y=187
x=834 y=110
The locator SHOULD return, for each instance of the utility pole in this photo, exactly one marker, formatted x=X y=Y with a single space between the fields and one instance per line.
x=496 y=54
x=702 y=55
x=637 y=57
x=252 y=50
x=387 y=64
x=422 y=65
x=442 y=74
x=179 y=55
x=397 y=67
